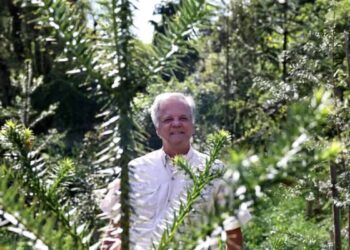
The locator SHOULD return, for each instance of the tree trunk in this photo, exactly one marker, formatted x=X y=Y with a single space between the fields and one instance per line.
x=309 y=209
x=336 y=210
x=7 y=92
x=285 y=40
x=347 y=53
x=349 y=228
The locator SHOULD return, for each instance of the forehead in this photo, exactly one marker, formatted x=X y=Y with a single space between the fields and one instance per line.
x=173 y=106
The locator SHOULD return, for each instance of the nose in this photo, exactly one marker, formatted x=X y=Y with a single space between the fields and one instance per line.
x=176 y=122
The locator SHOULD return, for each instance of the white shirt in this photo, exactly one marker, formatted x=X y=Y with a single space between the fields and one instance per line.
x=156 y=189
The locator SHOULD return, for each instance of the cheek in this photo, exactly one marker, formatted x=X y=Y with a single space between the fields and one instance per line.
x=191 y=129
x=160 y=131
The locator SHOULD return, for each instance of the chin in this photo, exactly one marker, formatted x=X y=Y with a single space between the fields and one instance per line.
x=179 y=142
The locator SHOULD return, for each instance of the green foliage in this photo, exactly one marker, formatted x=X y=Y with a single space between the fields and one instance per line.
x=32 y=202
x=272 y=73
x=281 y=223
x=40 y=227
x=287 y=153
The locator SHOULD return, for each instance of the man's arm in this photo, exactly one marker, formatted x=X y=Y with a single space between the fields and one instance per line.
x=111 y=238
x=234 y=239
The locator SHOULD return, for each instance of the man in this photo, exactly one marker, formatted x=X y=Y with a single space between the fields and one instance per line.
x=156 y=185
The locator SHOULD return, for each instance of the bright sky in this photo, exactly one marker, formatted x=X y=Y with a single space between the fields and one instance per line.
x=143 y=14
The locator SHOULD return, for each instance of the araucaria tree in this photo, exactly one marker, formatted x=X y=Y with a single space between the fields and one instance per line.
x=105 y=65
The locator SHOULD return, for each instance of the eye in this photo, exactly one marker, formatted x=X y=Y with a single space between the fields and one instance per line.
x=183 y=118
x=167 y=120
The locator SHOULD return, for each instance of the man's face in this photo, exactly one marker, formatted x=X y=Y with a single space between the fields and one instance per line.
x=175 y=123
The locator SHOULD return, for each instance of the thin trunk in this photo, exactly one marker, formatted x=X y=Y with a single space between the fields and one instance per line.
x=123 y=49
x=333 y=166
x=336 y=210
x=7 y=92
x=347 y=53
x=227 y=70
x=309 y=209
x=16 y=29
x=349 y=228
x=26 y=93
x=285 y=40
x=124 y=127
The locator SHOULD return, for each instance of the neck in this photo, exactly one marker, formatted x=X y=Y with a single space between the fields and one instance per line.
x=172 y=152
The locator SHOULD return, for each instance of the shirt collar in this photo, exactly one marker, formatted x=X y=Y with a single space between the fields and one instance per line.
x=188 y=156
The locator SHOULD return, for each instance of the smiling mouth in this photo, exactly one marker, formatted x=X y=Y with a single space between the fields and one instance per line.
x=177 y=133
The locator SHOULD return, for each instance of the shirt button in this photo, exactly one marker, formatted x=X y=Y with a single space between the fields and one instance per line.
x=172 y=178
x=168 y=201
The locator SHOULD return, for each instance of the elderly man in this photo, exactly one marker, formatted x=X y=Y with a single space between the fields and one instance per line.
x=157 y=185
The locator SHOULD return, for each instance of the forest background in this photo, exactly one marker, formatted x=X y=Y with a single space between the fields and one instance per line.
x=74 y=110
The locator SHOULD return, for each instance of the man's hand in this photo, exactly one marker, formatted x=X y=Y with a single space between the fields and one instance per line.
x=234 y=239
x=110 y=245
x=111 y=238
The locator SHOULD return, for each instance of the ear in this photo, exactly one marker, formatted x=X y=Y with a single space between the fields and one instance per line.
x=157 y=132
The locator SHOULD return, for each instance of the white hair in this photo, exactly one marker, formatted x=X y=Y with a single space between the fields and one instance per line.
x=154 y=110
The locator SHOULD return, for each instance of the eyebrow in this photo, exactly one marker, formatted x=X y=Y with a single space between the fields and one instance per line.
x=170 y=116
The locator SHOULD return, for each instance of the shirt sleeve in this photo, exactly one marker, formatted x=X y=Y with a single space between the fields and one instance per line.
x=222 y=192
x=110 y=204
x=234 y=222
